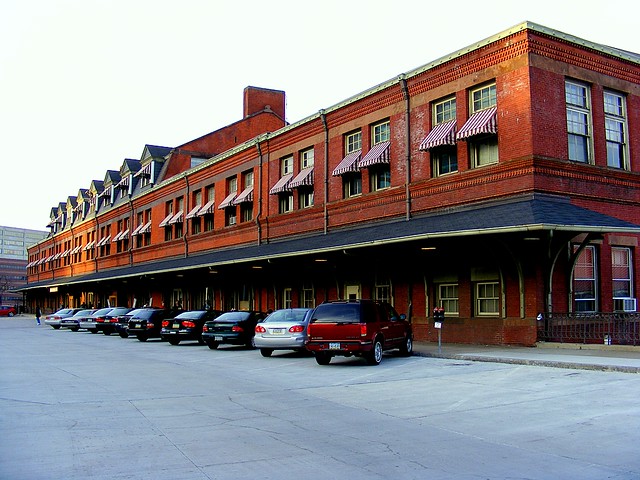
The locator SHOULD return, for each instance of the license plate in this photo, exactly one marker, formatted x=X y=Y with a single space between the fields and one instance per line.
x=138 y=325
x=218 y=339
x=334 y=346
x=176 y=325
x=277 y=331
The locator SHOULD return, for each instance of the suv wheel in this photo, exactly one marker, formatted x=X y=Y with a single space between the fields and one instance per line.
x=407 y=347
x=375 y=356
x=323 y=358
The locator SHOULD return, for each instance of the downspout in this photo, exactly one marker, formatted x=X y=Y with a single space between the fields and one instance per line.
x=323 y=118
x=131 y=220
x=407 y=145
x=259 y=193
x=185 y=229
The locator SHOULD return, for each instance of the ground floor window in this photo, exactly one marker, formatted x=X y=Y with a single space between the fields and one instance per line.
x=584 y=280
x=308 y=297
x=286 y=298
x=382 y=291
x=448 y=298
x=622 y=279
x=487 y=298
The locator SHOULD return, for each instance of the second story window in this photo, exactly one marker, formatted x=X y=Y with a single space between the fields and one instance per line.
x=615 y=123
x=377 y=159
x=578 y=105
x=480 y=130
x=353 y=142
x=441 y=140
x=348 y=167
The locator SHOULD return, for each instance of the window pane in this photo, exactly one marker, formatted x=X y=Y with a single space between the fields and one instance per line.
x=484 y=98
x=444 y=111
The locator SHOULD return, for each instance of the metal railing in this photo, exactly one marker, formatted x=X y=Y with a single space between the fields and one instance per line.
x=617 y=328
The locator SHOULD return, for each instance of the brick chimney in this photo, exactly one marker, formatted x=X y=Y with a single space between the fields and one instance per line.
x=258 y=99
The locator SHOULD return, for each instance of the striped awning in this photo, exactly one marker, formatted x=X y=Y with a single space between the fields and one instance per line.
x=378 y=154
x=124 y=183
x=106 y=192
x=281 y=185
x=193 y=212
x=116 y=237
x=441 y=134
x=146 y=228
x=480 y=122
x=177 y=218
x=136 y=231
x=245 y=196
x=104 y=240
x=304 y=178
x=165 y=222
x=76 y=249
x=144 y=171
x=89 y=245
x=348 y=164
x=208 y=208
x=227 y=202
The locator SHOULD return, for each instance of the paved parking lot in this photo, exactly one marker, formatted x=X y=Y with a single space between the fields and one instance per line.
x=77 y=406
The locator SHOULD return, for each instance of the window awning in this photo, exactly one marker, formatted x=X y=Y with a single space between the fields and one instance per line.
x=89 y=245
x=103 y=241
x=227 y=202
x=177 y=218
x=441 y=134
x=116 y=237
x=281 y=185
x=208 y=208
x=304 y=178
x=124 y=183
x=480 y=122
x=144 y=171
x=348 y=164
x=245 y=196
x=76 y=249
x=146 y=228
x=106 y=192
x=193 y=212
x=124 y=235
x=165 y=222
x=62 y=255
x=378 y=154
x=56 y=256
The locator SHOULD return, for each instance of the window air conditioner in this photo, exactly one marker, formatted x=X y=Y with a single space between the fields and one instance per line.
x=624 y=304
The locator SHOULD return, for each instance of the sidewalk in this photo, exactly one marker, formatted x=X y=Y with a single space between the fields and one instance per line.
x=615 y=358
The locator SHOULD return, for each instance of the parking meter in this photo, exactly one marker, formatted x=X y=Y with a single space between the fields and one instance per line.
x=438 y=318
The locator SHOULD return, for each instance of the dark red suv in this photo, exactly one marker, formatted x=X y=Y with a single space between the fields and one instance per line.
x=357 y=327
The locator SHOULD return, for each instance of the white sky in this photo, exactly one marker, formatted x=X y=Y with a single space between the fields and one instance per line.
x=85 y=84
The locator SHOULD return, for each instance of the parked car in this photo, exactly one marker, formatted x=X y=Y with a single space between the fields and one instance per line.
x=73 y=322
x=187 y=326
x=7 y=311
x=147 y=323
x=235 y=328
x=284 y=329
x=122 y=326
x=55 y=318
x=107 y=324
x=90 y=322
x=357 y=327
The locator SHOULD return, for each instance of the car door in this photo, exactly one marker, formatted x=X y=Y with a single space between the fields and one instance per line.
x=395 y=330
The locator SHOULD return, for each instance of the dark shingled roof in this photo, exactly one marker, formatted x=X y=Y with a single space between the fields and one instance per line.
x=524 y=214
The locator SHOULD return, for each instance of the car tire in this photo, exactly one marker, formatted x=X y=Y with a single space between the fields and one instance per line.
x=375 y=355
x=174 y=341
x=106 y=333
x=142 y=338
x=213 y=345
x=407 y=347
x=10 y=314
x=266 y=352
x=56 y=327
x=75 y=329
x=123 y=335
x=93 y=331
x=323 y=358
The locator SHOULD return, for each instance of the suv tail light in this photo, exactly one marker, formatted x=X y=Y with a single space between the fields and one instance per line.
x=363 y=329
x=296 y=329
x=260 y=329
x=165 y=323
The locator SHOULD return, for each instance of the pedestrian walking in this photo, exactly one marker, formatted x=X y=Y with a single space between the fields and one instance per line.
x=38 y=314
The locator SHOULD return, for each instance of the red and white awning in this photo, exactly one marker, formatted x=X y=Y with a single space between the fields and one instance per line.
x=304 y=178
x=480 y=122
x=441 y=134
x=379 y=153
x=348 y=164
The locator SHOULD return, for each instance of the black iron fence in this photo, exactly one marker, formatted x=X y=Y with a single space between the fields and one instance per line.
x=604 y=328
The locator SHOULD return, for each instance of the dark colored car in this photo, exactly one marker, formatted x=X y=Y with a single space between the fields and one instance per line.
x=357 y=327
x=108 y=324
x=90 y=322
x=187 y=326
x=147 y=323
x=235 y=328
x=73 y=322
x=122 y=326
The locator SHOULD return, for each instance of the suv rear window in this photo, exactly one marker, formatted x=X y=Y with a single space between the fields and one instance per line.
x=337 y=313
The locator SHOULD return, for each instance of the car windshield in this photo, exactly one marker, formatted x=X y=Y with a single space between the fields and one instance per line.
x=337 y=313
x=290 y=315
x=191 y=315
x=233 y=317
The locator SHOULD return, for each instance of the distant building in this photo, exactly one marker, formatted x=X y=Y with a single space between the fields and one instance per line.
x=13 y=261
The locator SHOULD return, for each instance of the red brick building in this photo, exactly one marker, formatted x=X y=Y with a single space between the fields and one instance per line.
x=500 y=182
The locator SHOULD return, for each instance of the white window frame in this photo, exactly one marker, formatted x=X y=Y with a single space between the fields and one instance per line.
x=287 y=301
x=286 y=165
x=483 y=97
x=308 y=299
x=615 y=121
x=380 y=132
x=448 y=298
x=285 y=202
x=586 y=272
x=306 y=158
x=305 y=198
x=380 y=176
x=621 y=272
x=487 y=299
x=444 y=110
x=353 y=142
x=579 y=122
x=350 y=181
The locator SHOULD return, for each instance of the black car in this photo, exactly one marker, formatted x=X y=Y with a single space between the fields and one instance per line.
x=187 y=326
x=111 y=319
x=147 y=322
x=235 y=328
